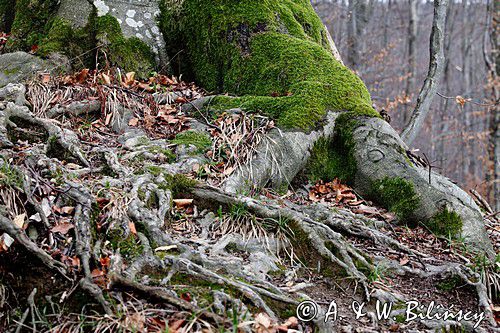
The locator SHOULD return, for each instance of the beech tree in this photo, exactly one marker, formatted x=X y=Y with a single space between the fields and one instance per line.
x=273 y=58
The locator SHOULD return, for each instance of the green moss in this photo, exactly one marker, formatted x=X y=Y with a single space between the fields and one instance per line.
x=162 y=151
x=9 y=176
x=31 y=22
x=200 y=140
x=401 y=318
x=450 y=283
x=129 y=246
x=62 y=38
x=130 y=54
x=334 y=158
x=179 y=184
x=397 y=195
x=36 y=23
x=446 y=223
x=273 y=53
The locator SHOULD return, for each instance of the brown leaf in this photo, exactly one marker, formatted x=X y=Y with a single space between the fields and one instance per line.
x=182 y=203
x=291 y=322
x=174 y=327
x=263 y=320
x=145 y=86
x=403 y=261
x=394 y=327
x=131 y=225
x=45 y=77
x=105 y=261
x=82 y=76
x=133 y=122
x=106 y=79
x=460 y=101
x=63 y=228
x=108 y=119
x=68 y=210
x=19 y=220
x=312 y=197
x=97 y=273
x=129 y=78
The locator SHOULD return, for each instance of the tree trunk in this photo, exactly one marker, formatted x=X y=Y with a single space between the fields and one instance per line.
x=121 y=35
x=412 y=64
x=122 y=195
x=492 y=60
x=360 y=148
x=431 y=83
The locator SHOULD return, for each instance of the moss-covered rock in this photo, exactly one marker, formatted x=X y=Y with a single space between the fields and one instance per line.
x=274 y=52
x=198 y=139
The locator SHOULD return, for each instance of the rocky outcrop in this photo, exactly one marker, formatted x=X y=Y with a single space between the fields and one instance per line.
x=20 y=66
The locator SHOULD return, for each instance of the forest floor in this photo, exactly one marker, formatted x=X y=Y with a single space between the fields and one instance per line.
x=114 y=221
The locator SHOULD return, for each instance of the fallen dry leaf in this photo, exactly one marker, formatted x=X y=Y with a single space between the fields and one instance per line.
x=68 y=210
x=404 y=261
x=5 y=241
x=19 y=220
x=263 y=320
x=133 y=122
x=106 y=79
x=165 y=248
x=182 y=203
x=131 y=225
x=63 y=228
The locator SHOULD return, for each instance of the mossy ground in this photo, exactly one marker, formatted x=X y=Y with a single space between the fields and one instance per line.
x=273 y=53
x=198 y=139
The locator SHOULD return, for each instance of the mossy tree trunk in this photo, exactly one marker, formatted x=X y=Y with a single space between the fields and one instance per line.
x=274 y=55
x=121 y=34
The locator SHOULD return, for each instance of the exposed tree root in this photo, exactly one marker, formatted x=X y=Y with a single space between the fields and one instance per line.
x=142 y=199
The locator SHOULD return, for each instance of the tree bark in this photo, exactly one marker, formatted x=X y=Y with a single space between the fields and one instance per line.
x=412 y=40
x=492 y=60
x=431 y=83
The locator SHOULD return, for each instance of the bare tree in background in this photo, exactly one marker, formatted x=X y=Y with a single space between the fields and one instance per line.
x=359 y=13
x=492 y=60
x=412 y=40
x=436 y=65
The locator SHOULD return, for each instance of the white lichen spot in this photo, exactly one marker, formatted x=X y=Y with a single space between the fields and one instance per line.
x=119 y=21
x=140 y=24
x=102 y=8
x=148 y=34
x=140 y=36
x=130 y=13
x=155 y=30
x=147 y=16
x=131 y=22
